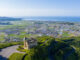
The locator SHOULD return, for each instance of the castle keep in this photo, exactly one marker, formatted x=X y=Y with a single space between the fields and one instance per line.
x=29 y=42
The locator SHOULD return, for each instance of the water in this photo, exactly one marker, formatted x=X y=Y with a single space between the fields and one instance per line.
x=70 y=19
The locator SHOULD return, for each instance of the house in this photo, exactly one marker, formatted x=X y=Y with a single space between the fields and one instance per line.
x=29 y=43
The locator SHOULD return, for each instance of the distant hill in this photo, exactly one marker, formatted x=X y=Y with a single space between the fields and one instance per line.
x=9 y=19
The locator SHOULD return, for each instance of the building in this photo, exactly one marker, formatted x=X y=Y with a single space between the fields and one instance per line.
x=29 y=43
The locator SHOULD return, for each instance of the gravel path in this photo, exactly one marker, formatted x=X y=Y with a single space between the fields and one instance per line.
x=6 y=52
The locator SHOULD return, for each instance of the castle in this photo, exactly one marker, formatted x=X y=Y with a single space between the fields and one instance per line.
x=29 y=43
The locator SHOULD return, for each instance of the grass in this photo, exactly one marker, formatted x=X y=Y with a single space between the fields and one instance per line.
x=27 y=58
x=4 y=45
x=65 y=34
x=16 y=56
x=72 y=57
x=21 y=49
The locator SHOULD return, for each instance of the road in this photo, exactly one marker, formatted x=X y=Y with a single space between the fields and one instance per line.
x=6 y=52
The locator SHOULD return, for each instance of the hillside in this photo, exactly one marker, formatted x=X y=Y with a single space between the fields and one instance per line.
x=50 y=48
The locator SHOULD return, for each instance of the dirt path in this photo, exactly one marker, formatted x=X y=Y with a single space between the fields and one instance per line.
x=6 y=52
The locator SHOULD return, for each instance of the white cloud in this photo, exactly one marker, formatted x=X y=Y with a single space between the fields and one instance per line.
x=35 y=12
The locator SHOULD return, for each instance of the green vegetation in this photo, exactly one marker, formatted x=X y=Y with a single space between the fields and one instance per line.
x=48 y=47
x=16 y=56
x=21 y=49
x=75 y=43
x=52 y=48
x=4 y=45
x=65 y=34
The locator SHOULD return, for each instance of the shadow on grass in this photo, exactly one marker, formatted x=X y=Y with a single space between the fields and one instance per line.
x=0 y=49
x=3 y=58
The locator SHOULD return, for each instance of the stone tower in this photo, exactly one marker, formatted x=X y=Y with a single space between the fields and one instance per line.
x=29 y=43
x=26 y=46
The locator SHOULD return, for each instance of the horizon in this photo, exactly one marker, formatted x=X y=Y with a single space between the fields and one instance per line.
x=21 y=8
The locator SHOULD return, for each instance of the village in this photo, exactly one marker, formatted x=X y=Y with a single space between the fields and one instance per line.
x=39 y=28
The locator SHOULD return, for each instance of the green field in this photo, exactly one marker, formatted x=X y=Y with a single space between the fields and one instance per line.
x=16 y=56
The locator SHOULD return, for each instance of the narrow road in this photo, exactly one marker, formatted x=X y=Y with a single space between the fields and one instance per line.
x=6 y=52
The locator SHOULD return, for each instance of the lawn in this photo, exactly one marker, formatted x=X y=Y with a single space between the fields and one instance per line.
x=16 y=56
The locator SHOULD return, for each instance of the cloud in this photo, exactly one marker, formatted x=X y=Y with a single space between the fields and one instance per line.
x=36 y=12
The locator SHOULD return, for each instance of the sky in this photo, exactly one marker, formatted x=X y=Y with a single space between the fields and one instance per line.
x=20 y=8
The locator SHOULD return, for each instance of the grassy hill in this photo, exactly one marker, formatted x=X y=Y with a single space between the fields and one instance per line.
x=50 y=48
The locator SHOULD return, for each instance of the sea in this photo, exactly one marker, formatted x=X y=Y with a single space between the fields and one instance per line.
x=53 y=18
